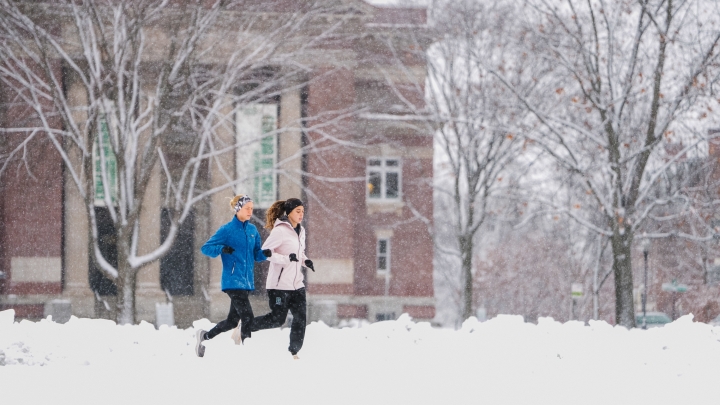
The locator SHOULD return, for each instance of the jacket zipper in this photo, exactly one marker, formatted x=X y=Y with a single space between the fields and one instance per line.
x=281 y=270
x=297 y=266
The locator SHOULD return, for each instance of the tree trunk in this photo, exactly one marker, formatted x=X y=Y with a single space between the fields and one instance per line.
x=466 y=253
x=622 y=269
x=126 y=298
x=125 y=283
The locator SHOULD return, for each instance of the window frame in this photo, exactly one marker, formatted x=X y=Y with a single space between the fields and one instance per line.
x=383 y=169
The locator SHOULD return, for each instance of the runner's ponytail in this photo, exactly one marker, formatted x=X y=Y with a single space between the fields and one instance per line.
x=274 y=212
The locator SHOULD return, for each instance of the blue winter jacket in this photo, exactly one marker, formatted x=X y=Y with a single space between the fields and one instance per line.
x=238 y=267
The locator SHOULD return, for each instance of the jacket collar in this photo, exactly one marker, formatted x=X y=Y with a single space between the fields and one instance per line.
x=284 y=220
x=236 y=221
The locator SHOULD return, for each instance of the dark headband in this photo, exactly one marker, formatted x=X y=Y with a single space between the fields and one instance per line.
x=291 y=204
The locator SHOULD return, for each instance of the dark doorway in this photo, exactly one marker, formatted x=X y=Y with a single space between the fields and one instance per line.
x=107 y=241
x=177 y=267
x=261 y=269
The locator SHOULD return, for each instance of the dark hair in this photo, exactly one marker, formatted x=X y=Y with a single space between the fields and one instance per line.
x=280 y=208
x=274 y=212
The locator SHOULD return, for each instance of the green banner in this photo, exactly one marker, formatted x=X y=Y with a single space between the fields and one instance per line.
x=104 y=161
x=264 y=187
x=257 y=158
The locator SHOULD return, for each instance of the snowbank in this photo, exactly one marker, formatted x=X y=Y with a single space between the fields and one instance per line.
x=501 y=361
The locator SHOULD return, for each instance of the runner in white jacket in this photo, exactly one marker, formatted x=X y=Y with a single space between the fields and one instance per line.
x=285 y=283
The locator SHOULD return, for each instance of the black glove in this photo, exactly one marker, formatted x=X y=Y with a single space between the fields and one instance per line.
x=309 y=264
x=228 y=250
x=293 y=257
x=267 y=252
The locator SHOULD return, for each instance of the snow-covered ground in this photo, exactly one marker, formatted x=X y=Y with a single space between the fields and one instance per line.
x=501 y=361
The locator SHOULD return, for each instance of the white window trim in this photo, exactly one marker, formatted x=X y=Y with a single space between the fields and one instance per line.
x=388 y=252
x=383 y=169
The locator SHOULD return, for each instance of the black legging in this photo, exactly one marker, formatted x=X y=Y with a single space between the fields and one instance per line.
x=280 y=302
x=240 y=310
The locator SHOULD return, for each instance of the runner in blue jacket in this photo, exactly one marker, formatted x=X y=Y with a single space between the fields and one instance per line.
x=238 y=244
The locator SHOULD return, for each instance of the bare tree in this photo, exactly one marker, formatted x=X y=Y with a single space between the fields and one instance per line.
x=609 y=82
x=469 y=113
x=158 y=78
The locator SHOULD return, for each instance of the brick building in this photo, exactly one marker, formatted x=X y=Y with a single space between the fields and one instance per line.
x=367 y=203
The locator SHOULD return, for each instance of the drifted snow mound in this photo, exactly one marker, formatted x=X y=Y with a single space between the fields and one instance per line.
x=501 y=361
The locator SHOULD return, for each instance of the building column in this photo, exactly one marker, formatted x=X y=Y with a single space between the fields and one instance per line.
x=76 y=259
x=148 y=290
x=75 y=254
x=222 y=171
x=290 y=145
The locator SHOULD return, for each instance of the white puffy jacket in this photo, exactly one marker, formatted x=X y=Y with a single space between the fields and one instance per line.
x=283 y=240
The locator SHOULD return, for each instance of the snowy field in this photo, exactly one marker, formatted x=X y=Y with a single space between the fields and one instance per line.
x=501 y=361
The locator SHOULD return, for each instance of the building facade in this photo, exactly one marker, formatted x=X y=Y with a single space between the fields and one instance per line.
x=366 y=183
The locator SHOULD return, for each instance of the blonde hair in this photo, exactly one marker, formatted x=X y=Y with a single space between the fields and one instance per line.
x=274 y=212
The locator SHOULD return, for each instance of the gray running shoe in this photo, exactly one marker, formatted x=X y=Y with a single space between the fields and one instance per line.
x=199 y=347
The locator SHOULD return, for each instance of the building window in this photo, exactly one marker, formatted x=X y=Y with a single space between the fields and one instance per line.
x=385 y=316
x=383 y=256
x=384 y=179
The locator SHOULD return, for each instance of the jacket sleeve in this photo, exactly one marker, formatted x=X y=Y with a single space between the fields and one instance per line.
x=213 y=247
x=273 y=242
x=257 y=249
x=277 y=258
x=304 y=256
